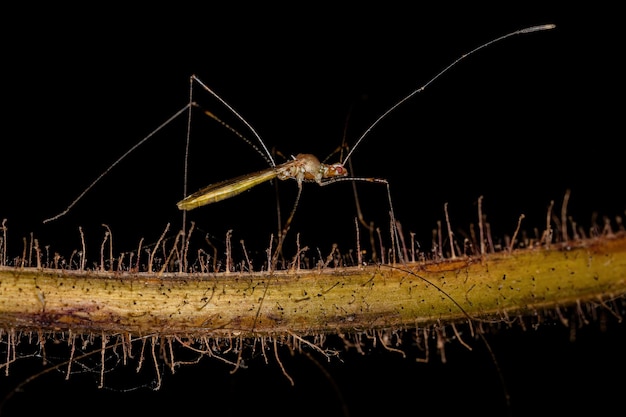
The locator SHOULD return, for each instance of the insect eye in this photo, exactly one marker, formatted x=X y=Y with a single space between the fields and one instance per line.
x=339 y=170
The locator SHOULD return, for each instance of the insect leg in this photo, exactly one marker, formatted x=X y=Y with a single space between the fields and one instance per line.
x=395 y=236
x=283 y=231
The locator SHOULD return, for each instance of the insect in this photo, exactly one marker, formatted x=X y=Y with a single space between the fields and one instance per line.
x=302 y=168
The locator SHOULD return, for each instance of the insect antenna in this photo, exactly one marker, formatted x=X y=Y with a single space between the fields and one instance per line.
x=439 y=74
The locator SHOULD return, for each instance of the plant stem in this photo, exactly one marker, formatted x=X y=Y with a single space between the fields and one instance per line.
x=329 y=300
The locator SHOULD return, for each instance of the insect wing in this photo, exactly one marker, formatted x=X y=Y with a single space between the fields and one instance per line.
x=225 y=189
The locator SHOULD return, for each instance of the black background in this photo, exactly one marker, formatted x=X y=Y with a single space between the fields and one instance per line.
x=518 y=123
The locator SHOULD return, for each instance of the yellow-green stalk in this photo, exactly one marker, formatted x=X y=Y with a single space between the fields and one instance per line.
x=309 y=302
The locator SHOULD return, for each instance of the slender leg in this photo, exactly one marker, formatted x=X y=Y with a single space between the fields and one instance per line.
x=394 y=228
x=369 y=226
x=285 y=229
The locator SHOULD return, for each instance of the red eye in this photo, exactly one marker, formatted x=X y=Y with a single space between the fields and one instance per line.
x=339 y=170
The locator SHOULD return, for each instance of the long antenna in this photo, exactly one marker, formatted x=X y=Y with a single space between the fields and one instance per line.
x=392 y=108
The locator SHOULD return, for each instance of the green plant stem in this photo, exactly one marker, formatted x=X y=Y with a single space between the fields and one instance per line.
x=329 y=300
